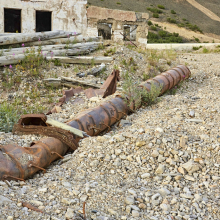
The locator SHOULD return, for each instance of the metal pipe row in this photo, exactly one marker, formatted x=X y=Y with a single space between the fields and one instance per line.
x=20 y=163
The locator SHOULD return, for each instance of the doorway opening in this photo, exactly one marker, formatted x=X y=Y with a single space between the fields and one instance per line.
x=43 y=21
x=105 y=30
x=12 y=20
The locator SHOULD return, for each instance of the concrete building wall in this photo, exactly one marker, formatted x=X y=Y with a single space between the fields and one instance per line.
x=67 y=15
x=119 y=20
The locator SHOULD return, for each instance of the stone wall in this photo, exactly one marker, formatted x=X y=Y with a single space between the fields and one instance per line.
x=118 y=19
x=67 y=15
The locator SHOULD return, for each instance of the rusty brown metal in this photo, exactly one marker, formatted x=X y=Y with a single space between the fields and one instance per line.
x=19 y=163
x=29 y=206
x=108 y=88
x=168 y=79
x=36 y=124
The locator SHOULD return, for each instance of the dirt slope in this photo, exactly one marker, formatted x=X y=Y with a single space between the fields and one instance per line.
x=183 y=32
x=203 y=9
x=183 y=9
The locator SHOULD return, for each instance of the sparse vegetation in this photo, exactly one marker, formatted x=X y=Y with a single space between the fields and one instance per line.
x=149 y=23
x=134 y=95
x=110 y=51
x=161 y=6
x=197 y=48
x=171 y=20
x=172 y=12
x=155 y=10
x=155 y=15
x=197 y=39
x=33 y=62
x=164 y=37
x=205 y=50
x=8 y=116
x=153 y=28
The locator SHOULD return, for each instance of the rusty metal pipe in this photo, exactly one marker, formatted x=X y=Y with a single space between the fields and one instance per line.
x=19 y=163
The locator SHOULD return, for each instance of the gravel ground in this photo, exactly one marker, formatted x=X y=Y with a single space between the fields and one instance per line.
x=164 y=165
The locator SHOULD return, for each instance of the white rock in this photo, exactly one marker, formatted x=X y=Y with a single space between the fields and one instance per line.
x=191 y=166
x=83 y=198
x=156 y=199
x=145 y=175
x=190 y=178
x=155 y=153
x=69 y=213
x=112 y=212
x=160 y=130
x=165 y=207
x=37 y=203
x=160 y=169
x=132 y=192
x=94 y=163
x=43 y=190
x=164 y=192
x=76 y=192
x=135 y=214
x=129 y=200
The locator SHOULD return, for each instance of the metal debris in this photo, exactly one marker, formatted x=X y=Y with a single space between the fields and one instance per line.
x=61 y=141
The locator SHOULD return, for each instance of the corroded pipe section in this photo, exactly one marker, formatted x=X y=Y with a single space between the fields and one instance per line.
x=19 y=163
x=100 y=118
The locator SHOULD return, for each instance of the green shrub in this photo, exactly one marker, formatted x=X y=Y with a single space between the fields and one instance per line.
x=181 y=25
x=155 y=15
x=193 y=27
x=152 y=35
x=134 y=95
x=205 y=50
x=57 y=62
x=33 y=61
x=155 y=10
x=162 y=33
x=149 y=23
x=197 y=48
x=171 y=20
x=196 y=39
x=161 y=6
x=173 y=12
x=153 y=28
x=164 y=37
x=118 y=3
x=8 y=116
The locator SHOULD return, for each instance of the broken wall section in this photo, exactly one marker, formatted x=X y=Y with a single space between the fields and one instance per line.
x=67 y=15
x=129 y=23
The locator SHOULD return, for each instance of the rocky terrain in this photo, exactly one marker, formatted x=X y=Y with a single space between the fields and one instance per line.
x=162 y=162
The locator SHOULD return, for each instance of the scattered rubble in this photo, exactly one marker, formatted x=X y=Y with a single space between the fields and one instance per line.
x=118 y=178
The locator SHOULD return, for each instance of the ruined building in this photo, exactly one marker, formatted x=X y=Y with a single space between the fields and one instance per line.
x=114 y=24
x=29 y=16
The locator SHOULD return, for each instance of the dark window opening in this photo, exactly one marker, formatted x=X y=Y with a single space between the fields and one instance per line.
x=43 y=21
x=12 y=20
x=105 y=30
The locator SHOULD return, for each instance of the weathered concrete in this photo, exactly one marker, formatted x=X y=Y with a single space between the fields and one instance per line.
x=118 y=19
x=105 y=13
x=182 y=46
x=67 y=15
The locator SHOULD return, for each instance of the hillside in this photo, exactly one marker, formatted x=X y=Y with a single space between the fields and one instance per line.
x=185 y=12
